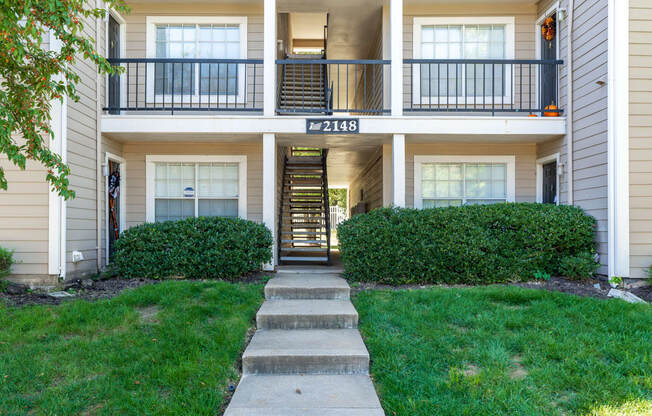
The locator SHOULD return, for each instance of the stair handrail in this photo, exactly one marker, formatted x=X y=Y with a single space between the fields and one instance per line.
x=280 y=210
x=326 y=203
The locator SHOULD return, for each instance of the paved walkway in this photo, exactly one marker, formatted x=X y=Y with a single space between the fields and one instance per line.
x=307 y=356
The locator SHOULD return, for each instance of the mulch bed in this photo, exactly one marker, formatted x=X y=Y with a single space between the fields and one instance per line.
x=584 y=288
x=92 y=290
x=105 y=289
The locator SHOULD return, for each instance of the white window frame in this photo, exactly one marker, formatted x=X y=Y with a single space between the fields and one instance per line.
x=510 y=52
x=152 y=21
x=150 y=173
x=123 y=198
x=509 y=161
x=555 y=157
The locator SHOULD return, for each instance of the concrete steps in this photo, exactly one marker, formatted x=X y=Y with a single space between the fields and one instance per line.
x=308 y=395
x=307 y=358
x=329 y=351
x=307 y=314
x=298 y=286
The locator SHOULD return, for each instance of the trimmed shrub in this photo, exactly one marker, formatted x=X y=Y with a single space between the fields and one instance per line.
x=469 y=244
x=204 y=247
x=580 y=266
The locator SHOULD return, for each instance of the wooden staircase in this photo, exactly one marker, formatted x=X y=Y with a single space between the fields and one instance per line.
x=303 y=88
x=304 y=223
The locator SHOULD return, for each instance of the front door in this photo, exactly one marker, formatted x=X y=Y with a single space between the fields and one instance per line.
x=550 y=183
x=549 y=72
x=114 y=52
x=113 y=197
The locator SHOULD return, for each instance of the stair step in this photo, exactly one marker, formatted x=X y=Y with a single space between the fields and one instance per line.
x=310 y=219
x=304 y=211
x=304 y=241
x=321 y=395
x=303 y=250
x=313 y=286
x=330 y=351
x=304 y=259
x=304 y=233
x=307 y=314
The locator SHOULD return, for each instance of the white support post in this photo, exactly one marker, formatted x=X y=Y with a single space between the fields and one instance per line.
x=618 y=141
x=269 y=191
x=398 y=170
x=396 y=34
x=269 y=55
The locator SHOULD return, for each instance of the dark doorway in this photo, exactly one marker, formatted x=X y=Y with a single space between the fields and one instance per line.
x=114 y=52
x=113 y=198
x=550 y=183
x=549 y=72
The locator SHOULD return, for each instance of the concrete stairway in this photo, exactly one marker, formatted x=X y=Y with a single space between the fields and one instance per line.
x=307 y=356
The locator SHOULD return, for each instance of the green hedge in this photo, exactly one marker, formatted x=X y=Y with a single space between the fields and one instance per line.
x=469 y=244
x=204 y=247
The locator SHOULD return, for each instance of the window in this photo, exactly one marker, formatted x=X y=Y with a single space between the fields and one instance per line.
x=197 y=38
x=190 y=186
x=442 y=181
x=463 y=39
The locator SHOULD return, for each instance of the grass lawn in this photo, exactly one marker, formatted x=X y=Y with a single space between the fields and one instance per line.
x=507 y=351
x=170 y=348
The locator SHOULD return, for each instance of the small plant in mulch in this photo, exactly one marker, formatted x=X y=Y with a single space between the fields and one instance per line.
x=6 y=261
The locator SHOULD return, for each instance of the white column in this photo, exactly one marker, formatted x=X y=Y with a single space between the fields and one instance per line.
x=269 y=55
x=618 y=139
x=387 y=55
x=396 y=42
x=398 y=170
x=269 y=190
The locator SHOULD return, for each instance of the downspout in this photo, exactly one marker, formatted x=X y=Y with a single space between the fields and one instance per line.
x=98 y=147
x=569 y=104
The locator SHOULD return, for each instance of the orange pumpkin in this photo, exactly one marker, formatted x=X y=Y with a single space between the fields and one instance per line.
x=533 y=115
x=551 y=111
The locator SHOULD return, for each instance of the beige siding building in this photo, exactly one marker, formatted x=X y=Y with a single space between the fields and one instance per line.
x=403 y=102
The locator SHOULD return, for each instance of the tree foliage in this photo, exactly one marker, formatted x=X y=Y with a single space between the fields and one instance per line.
x=337 y=196
x=32 y=76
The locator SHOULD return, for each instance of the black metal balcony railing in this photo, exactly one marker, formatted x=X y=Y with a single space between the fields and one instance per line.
x=481 y=85
x=330 y=86
x=169 y=85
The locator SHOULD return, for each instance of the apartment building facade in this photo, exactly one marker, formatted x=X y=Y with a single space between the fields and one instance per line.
x=411 y=103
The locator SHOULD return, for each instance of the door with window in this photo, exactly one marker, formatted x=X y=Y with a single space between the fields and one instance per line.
x=114 y=79
x=549 y=188
x=549 y=53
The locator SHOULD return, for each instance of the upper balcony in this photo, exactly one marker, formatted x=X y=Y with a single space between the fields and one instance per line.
x=205 y=59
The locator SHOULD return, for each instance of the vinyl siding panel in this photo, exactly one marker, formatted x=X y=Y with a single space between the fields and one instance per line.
x=369 y=183
x=640 y=144
x=526 y=155
x=81 y=214
x=24 y=219
x=135 y=155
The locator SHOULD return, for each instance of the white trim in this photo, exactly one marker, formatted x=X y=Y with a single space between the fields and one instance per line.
x=510 y=52
x=540 y=162
x=396 y=54
x=398 y=170
x=152 y=21
x=57 y=209
x=618 y=139
x=123 y=53
x=508 y=160
x=123 y=199
x=522 y=128
x=269 y=58
x=269 y=192
x=553 y=10
x=150 y=173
